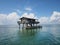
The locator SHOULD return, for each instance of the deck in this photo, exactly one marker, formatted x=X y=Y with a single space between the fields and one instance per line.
x=33 y=27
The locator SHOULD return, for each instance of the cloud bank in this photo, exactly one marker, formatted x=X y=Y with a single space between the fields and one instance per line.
x=53 y=19
x=3 y=19
x=30 y=15
x=9 y=19
x=12 y=18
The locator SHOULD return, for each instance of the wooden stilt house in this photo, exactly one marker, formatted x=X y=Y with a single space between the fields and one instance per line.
x=28 y=22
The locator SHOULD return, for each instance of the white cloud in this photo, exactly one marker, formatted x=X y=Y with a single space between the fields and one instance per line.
x=30 y=15
x=28 y=9
x=53 y=19
x=44 y=20
x=9 y=19
x=13 y=17
x=3 y=19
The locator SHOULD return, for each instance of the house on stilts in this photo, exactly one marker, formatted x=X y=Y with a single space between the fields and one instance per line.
x=29 y=23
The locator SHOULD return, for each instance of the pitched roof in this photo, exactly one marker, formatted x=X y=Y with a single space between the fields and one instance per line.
x=27 y=18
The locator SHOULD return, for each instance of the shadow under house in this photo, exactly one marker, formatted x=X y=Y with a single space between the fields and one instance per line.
x=28 y=23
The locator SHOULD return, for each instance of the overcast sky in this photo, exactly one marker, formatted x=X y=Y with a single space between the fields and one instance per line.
x=47 y=11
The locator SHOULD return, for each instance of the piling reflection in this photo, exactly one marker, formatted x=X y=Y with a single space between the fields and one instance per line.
x=43 y=36
x=28 y=32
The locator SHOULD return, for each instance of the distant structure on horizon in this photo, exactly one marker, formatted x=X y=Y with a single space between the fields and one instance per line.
x=28 y=23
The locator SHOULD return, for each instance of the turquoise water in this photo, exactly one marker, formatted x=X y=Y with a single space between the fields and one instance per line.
x=47 y=35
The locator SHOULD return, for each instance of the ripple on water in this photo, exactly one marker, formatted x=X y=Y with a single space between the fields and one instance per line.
x=44 y=36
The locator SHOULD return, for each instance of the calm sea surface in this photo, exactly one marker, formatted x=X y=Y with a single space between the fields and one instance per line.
x=47 y=35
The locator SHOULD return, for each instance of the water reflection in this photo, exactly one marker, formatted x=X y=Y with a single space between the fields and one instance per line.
x=28 y=32
x=27 y=37
x=42 y=36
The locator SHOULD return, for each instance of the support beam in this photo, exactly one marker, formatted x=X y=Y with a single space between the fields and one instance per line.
x=23 y=25
x=19 y=26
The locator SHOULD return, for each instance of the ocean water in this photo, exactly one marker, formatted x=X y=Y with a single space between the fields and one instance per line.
x=47 y=35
